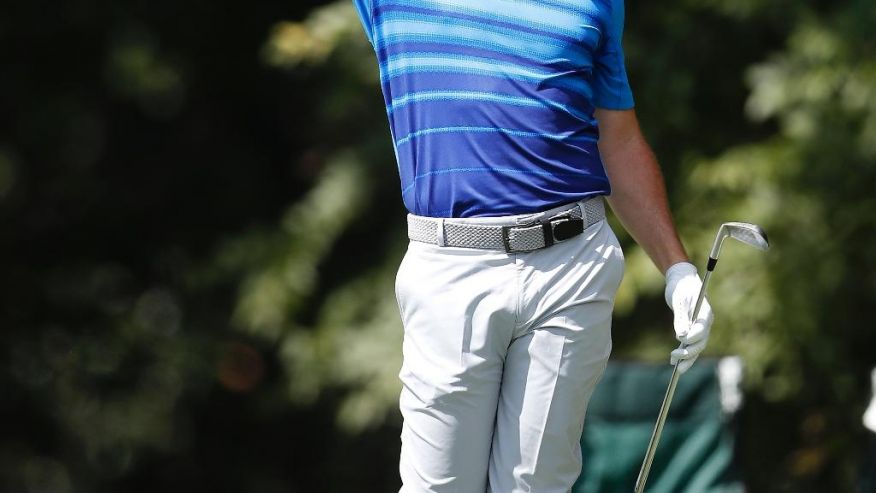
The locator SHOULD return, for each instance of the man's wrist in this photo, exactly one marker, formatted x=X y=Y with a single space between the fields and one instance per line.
x=668 y=256
x=679 y=268
x=675 y=273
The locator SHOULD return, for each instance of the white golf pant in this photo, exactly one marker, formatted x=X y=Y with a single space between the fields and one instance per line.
x=501 y=355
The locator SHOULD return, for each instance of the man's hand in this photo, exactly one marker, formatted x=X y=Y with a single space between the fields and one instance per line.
x=682 y=289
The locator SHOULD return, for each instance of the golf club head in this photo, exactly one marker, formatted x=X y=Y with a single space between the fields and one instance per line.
x=750 y=234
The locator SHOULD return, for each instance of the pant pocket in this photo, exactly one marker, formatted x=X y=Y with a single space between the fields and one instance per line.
x=616 y=256
x=400 y=280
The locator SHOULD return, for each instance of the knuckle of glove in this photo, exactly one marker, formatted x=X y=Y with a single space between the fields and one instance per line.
x=682 y=330
x=697 y=348
x=685 y=365
x=697 y=332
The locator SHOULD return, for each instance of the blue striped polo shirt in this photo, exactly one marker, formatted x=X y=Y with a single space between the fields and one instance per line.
x=490 y=102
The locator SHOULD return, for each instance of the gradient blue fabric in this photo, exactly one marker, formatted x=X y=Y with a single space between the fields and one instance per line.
x=490 y=102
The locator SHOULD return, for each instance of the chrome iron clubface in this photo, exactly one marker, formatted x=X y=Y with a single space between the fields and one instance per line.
x=750 y=234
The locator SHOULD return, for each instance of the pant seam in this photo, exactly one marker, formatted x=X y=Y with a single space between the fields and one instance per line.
x=518 y=266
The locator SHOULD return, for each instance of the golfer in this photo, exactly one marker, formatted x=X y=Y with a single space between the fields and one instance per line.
x=513 y=123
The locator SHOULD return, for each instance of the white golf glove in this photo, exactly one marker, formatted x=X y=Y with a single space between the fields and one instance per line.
x=682 y=289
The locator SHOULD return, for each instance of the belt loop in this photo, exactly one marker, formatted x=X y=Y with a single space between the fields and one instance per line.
x=440 y=232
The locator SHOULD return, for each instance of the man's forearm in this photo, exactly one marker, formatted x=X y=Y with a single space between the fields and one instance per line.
x=638 y=192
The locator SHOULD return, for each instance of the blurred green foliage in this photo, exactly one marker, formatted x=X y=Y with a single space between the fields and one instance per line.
x=201 y=225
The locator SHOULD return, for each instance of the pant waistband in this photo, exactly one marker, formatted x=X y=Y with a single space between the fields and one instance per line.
x=517 y=233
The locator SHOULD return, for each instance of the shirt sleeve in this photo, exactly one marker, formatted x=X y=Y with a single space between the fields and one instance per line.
x=611 y=89
x=364 y=8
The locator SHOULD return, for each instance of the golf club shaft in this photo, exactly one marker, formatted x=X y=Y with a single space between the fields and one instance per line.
x=667 y=400
x=658 y=430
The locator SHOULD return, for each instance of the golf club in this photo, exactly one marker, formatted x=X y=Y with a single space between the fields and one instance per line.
x=750 y=234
